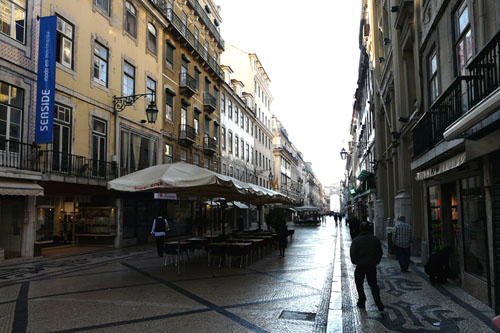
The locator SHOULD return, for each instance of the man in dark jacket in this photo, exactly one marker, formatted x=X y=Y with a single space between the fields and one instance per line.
x=366 y=253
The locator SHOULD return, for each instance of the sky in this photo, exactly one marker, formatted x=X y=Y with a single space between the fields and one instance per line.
x=310 y=51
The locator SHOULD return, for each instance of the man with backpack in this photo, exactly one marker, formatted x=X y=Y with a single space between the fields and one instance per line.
x=160 y=227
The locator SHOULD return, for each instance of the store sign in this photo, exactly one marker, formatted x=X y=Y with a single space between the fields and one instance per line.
x=46 y=82
x=442 y=167
x=165 y=196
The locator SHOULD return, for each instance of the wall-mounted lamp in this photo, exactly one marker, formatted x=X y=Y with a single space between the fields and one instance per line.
x=394 y=9
x=395 y=135
x=381 y=59
x=343 y=154
x=387 y=41
x=121 y=102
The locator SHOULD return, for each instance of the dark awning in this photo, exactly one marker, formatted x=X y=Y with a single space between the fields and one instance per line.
x=363 y=175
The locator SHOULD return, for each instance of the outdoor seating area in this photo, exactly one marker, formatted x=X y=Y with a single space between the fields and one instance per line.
x=220 y=250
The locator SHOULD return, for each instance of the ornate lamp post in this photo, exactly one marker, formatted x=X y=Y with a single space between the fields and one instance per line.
x=121 y=102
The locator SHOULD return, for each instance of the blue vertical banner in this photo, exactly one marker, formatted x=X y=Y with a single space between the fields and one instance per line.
x=46 y=82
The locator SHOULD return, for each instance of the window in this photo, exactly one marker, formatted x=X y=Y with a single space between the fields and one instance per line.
x=237 y=174
x=11 y=114
x=247 y=122
x=474 y=227
x=184 y=155
x=223 y=138
x=169 y=154
x=206 y=163
x=151 y=39
x=231 y=171
x=224 y=169
x=197 y=77
x=236 y=114
x=169 y=54
x=207 y=126
x=242 y=119
x=207 y=85
x=151 y=90
x=183 y=115
x=205 y=50
x=196 y=37
x=216 y=132
x=184 y=24
x=137 y=151
x=236 y=146
x=64 y=52
x=169 y=106
x=242 y=149
x=229 y=109
x=247 y=154
x=222 y=103
x=463 y=45
x=128 y=79
x=196 y=159
x=196 y=123
x=433 y=77
x=130 y=19
x=230 y=141
x=13 y=19
x=99 y=144
x=100 y=64
x=61 y=144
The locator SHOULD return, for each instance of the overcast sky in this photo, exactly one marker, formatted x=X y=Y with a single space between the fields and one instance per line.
x=310 y=51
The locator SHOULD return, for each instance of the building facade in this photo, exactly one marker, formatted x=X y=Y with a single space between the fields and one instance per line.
x=255 y=81
x=435 y=109
x=19 y=172
x=115 y=62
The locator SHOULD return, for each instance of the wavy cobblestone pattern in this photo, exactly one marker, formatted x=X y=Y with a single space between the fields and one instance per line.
x=310 y=290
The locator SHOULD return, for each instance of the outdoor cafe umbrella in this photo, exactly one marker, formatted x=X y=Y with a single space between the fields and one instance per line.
x=181 y=177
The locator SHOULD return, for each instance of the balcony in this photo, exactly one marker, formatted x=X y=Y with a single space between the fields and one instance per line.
x=211 y=27
x=447 y=108
x=19 y=155
x=463 y=104
x=190 y=40
x=64 y=164
x=209 y=144
x=187 y=134
x=187 y=84
x=209 y=102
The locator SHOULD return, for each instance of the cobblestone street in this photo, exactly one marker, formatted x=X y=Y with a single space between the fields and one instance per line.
x=130 y=290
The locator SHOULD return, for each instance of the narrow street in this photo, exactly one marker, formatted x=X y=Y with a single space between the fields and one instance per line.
x=129 y=290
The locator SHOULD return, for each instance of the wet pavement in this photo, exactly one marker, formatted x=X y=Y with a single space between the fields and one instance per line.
x=310 y=290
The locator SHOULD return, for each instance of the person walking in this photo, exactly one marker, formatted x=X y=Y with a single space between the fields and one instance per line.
x=336 y=218
x=354 y=227
x=282 y=237
x=366 y=253
x=159 y=229
x=401 y=238
x=438 y=266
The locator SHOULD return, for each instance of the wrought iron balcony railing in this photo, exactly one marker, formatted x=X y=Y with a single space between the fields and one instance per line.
x=187 y=133
x=183 y=30
x=209 y=144
x=464 y=93
x=485 y=72
x=54 y=162
x=211 y=27
x=209 y=102
x=19 y=155
x=188 y=83
x=447 y=108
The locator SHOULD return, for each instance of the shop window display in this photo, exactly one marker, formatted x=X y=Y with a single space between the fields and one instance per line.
x=474 y=226
x=435 y=218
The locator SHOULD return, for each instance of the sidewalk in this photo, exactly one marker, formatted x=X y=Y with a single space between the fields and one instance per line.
x=412 y=303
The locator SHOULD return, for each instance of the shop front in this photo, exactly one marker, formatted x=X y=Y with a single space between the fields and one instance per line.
x=75 y=219
x=456 y=215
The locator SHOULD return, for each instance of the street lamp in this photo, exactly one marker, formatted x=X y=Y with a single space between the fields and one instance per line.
x=121 y=102
x=343 y=154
